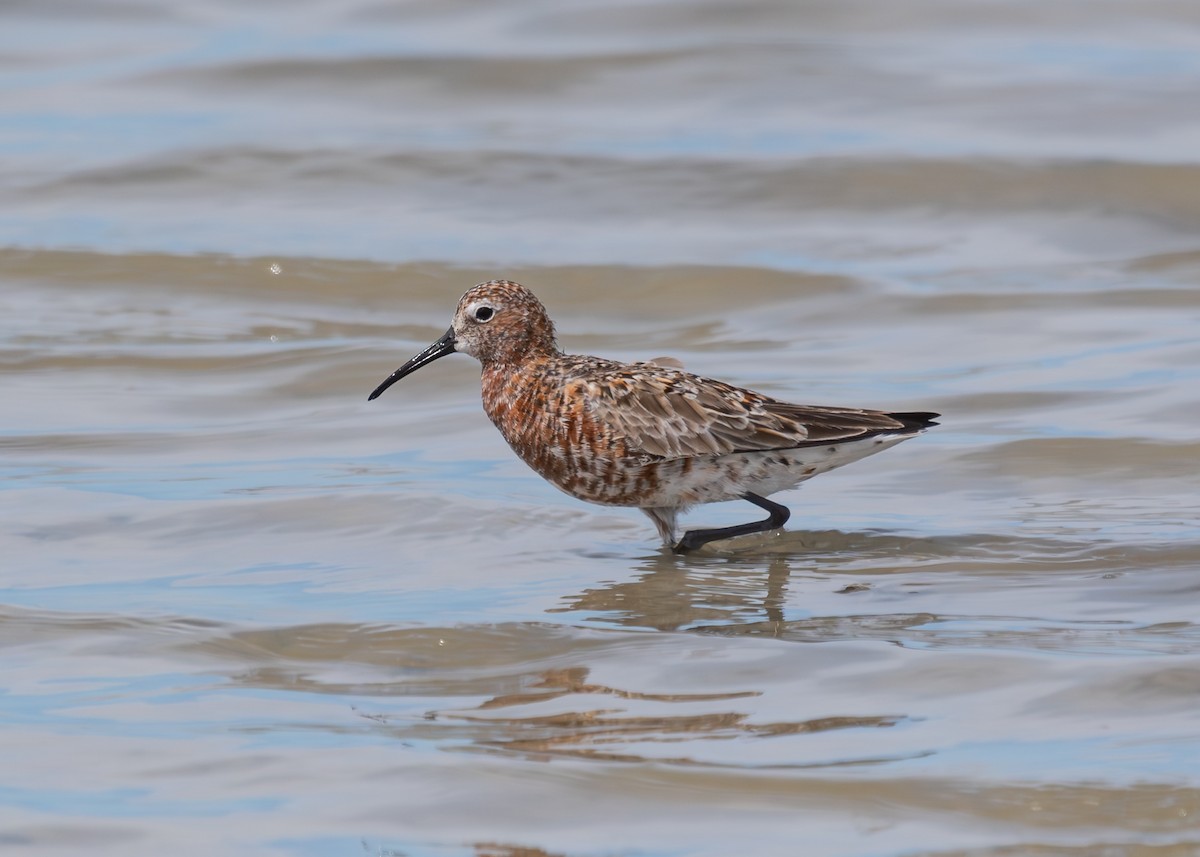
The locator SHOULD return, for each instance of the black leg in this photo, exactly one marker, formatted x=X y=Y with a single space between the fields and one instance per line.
x=776 y=518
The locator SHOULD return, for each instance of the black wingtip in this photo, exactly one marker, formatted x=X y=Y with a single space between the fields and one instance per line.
x=916 y=420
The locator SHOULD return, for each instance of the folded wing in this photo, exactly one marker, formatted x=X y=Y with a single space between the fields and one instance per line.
x=671 y=414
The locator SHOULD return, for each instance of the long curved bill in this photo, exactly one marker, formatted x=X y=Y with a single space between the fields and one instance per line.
x=441 y=348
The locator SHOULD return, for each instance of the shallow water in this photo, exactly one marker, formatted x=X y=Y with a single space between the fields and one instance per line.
x=246 y=612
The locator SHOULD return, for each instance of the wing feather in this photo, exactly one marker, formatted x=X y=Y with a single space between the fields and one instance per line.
x=667 y=413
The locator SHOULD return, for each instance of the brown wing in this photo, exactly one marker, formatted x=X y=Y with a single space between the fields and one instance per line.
x=674 y=414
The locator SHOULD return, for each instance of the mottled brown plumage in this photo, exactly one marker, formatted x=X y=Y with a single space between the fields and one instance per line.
x=646 y=434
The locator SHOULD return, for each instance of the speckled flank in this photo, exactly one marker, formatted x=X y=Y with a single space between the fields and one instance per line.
x=645 y=434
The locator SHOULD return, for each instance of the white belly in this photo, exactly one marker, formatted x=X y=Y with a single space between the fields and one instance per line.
x=711 y=479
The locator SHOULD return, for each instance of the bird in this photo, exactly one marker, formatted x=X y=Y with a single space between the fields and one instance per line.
x=648 y=434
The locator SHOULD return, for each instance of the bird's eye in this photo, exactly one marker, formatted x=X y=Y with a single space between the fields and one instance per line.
x=484 y=313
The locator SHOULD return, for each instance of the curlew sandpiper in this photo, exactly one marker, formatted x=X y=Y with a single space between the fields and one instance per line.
x=647 y=434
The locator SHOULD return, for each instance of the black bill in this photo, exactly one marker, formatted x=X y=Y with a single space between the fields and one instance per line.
x=441 y=348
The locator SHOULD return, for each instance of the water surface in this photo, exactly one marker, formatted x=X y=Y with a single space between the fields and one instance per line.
x=243 y=611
